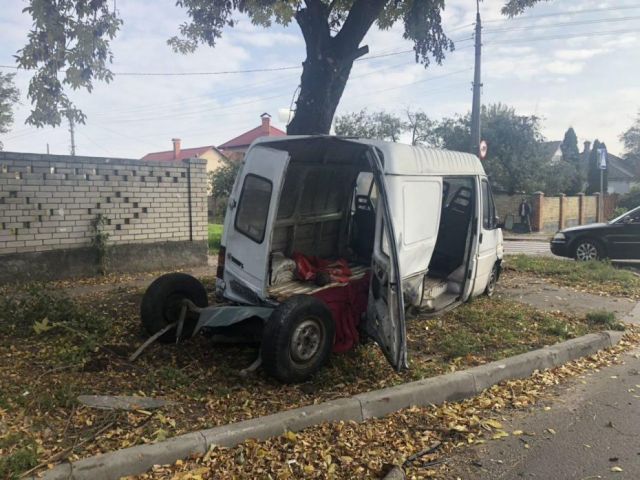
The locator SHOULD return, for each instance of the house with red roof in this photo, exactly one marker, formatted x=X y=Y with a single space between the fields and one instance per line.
x=241 y=143
x=210 y=153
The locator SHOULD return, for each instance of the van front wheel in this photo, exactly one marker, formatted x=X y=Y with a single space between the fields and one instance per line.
x=297 y=339
x=493 y=281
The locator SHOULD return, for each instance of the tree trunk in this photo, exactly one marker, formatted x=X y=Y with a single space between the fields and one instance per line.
x=321 y=87
x=329 y=60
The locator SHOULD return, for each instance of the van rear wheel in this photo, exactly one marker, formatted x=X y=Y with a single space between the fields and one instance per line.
x=297 y=339
x=162 y=303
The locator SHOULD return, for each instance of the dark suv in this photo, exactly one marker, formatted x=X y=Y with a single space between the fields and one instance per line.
x=618 y=239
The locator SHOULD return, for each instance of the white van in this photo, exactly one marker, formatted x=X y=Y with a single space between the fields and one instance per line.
x=418 y=224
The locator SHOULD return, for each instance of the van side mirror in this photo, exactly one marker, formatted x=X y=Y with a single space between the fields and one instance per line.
x=498 y=223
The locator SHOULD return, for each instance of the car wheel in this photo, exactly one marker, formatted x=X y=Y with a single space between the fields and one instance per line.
x=587 y=250
x=493 y=281
x=297 y=339
x=162 y=303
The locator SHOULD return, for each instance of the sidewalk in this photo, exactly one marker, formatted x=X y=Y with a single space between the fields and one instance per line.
x=530 y=237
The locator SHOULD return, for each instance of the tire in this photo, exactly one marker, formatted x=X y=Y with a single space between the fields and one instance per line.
x=162 y=302
x=493 y=281
x=297 y=339
x=587 y=249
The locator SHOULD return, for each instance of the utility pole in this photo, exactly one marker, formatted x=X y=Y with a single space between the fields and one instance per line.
x=72 y=133
x=477 y=85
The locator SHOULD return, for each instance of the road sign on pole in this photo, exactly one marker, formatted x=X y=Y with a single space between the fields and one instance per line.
x=602 y=165
x=602 y=158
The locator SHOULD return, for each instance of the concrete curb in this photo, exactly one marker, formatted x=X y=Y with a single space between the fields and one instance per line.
x=378 y=403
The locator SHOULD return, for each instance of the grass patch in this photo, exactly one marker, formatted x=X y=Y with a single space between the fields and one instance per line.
x=598 y=277
x=604 y=319
x=490 y=329
x=23 y=455
x=215 y=235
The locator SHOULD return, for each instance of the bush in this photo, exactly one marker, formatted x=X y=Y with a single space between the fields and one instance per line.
x=630 y=200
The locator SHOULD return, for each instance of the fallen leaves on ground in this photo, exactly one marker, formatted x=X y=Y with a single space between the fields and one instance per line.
x=352 y=450
x=43 y=370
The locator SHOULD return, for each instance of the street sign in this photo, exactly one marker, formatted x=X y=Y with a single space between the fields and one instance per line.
x=602 y=158
x=483 y=150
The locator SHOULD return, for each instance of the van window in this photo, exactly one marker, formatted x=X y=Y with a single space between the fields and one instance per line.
x=253 y=207
x=289 y=195
x=488 y=207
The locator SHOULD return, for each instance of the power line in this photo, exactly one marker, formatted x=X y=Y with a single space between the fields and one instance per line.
x=566 y=12
x=560 y=37
x=562 y=24
x=231 y=72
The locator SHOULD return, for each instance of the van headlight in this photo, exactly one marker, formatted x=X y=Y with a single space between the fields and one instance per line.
x=559 y=237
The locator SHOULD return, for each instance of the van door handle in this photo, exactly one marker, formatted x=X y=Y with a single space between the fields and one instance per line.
x=236 y=261
x=481 y=238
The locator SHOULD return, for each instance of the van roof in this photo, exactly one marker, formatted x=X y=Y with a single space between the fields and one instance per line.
x=402 y=159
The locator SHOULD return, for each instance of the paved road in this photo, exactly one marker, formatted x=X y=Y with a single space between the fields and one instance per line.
x=514 y=247
x=596 y=420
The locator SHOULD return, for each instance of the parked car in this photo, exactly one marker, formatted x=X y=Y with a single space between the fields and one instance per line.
x=416 y=225
x=618 y=240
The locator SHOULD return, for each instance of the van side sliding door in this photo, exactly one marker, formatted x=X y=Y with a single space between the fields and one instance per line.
x=385 y=311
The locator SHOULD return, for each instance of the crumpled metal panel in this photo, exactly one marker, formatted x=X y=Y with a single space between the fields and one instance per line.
x=217 y=316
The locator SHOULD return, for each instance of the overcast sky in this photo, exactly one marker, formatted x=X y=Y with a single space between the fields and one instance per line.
x=570 y=62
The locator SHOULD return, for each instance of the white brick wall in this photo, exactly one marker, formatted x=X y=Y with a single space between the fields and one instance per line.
x=47 y=202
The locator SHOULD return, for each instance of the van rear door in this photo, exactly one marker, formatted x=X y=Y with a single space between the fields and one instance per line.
x=250 y=217
x=385 y=311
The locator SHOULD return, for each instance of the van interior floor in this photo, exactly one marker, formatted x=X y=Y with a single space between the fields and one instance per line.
x=295 y=287
x=439 y=292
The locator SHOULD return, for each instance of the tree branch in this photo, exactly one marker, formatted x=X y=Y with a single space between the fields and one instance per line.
x=361 y=16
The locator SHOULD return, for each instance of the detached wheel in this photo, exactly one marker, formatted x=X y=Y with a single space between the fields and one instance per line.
x=162 y=302
x=588 y=250
x=297 y=339
x=493 y=281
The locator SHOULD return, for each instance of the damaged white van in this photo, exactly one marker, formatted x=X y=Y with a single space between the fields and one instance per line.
x=328 y=240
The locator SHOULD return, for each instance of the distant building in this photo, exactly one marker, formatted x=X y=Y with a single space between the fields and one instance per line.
x=241 y=143
x=621 y=178
x=210 y=153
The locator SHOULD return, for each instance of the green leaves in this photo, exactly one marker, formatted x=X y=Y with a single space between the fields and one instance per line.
x=9 y=95
x=70 y=37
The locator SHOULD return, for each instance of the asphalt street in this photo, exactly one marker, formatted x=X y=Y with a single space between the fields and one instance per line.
x=589 y=430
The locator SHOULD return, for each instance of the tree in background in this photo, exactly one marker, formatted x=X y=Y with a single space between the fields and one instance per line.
x=9 y=96
x=387 y=126
x=593 y=172
x=421 y=128
x=221 y=180
x=515 y=161
x=573 y=169
x=381 y=125
x=631 y=141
